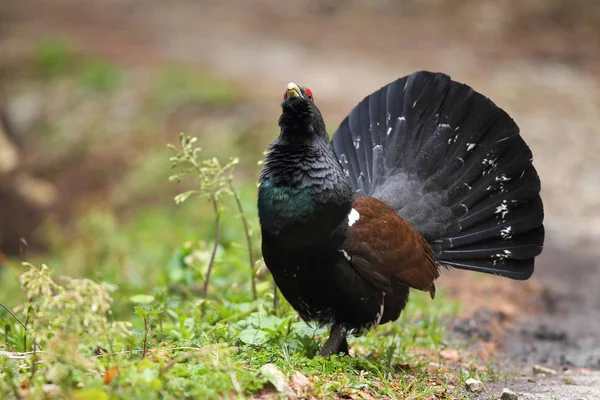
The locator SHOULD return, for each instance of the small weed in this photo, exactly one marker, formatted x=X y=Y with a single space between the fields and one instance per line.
x=100 y=76
x=215 y=181
x=54 y=57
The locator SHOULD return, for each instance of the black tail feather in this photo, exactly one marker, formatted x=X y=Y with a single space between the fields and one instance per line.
x=451 y=162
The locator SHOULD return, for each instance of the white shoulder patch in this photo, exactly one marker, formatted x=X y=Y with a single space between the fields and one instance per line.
x=353 y=217
x=346 y=255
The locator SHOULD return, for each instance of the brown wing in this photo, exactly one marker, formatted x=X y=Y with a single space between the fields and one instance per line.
x=384 y=247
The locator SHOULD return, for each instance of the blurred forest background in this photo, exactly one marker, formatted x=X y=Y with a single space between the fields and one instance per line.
x=91 y=92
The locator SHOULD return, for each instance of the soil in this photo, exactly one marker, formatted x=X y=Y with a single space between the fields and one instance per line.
x=561 y=330
x=544 y=78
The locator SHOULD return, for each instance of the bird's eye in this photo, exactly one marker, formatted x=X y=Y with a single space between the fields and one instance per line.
x=309 y=93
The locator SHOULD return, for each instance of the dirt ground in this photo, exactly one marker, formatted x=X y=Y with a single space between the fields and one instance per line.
x=546 y=82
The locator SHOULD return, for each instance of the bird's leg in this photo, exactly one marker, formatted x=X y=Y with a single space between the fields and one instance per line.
x=337 y=341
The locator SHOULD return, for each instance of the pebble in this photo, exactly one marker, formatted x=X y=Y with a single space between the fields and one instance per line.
x=508 y=394
x=277 y=379
x=473 y=385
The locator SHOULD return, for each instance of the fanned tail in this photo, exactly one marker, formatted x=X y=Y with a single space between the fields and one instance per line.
x=454 y=165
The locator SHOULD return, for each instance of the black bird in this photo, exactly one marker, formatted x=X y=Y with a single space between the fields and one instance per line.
x=422 y=174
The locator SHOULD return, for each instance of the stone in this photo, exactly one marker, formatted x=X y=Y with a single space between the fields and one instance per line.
x=274 y=375
x=508 y=394
x=474 y=386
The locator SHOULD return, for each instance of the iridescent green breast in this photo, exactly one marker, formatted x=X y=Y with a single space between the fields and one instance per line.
x=282 y=205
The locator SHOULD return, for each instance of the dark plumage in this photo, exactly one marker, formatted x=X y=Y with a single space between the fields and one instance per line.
x=423 y=173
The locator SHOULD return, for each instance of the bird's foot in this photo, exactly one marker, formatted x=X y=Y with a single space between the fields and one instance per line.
x=336 y=343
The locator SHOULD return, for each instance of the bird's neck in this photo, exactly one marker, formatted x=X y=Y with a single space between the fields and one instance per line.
x=303 y=196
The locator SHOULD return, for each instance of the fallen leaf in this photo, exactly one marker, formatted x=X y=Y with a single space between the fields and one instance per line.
x=111 y=373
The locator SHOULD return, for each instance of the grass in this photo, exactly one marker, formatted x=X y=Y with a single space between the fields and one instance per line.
x=115 y=307
x=166 y=344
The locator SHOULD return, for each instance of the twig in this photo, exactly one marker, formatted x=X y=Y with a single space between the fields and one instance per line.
x=248 y=238
x=28 y=354
x=149 y=350
x=17 y=355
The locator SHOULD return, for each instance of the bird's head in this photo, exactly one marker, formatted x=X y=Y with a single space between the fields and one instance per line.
x=300 y=118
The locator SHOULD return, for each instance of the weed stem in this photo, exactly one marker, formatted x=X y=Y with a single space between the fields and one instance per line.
x=248 y=238
x=216 y=244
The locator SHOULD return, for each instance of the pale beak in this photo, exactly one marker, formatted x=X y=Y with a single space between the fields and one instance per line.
x=293 y=90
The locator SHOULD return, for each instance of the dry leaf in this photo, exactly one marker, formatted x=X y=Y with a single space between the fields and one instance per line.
x=111 y=374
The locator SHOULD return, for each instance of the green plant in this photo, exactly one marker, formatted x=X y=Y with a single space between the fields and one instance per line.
x=53 y=57
x=215 y=182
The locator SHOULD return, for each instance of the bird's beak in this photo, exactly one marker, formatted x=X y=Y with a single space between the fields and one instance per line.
x=293 y=90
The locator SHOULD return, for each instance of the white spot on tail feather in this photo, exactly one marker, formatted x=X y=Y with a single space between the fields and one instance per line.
x=500 y=256
x=401 y=119
x=506 y=233
x=353 y=217
x=502 y=209
x=470 y=146
x=389 y=131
